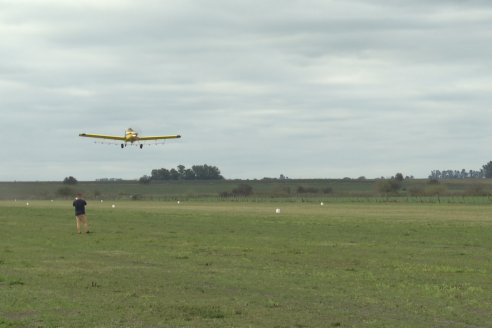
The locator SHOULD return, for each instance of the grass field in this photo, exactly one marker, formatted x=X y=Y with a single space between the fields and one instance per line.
x=239 y=264
x=415 y=189
x=168 y=190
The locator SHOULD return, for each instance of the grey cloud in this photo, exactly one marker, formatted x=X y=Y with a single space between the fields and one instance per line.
x=305 y=87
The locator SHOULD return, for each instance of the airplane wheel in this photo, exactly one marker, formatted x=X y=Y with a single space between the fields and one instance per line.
x=122 y=146
x=141 y=146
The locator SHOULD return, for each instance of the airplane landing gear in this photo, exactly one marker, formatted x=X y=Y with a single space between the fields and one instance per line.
x=122 y=146
x=141 y=146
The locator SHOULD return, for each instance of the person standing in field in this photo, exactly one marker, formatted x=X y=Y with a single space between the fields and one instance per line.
x=80 y=218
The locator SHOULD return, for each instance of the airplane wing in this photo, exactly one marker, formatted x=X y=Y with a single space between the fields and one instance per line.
x=159 y=137
x=101 y=136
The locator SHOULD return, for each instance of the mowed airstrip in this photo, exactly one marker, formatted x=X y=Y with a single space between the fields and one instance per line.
x=358 y=260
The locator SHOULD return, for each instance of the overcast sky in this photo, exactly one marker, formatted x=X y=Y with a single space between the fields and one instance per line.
x=308 y=89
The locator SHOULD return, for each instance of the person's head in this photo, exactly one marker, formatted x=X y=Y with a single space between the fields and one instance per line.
x=78 y=195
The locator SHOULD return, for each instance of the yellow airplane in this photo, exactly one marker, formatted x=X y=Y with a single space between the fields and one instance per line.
x=130 y=136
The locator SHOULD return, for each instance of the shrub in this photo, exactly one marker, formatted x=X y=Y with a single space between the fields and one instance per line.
x=225 y=194
x=327 y=190
x=416 y=191
x=70 y=180
x=475 y=190
x=281 y=191
x=307 y=190
x=65 y=192
x=145 y=179
x=390 y=186
x=242 y=190
x=436 y=190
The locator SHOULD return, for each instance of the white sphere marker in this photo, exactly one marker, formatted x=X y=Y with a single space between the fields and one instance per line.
x=322 y=204
x=277 y=211
x=27 y=204
x=113 y=206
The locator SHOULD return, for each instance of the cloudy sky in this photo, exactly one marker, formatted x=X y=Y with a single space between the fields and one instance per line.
x=308 y=89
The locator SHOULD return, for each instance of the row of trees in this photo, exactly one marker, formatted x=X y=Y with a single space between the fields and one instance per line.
x=208 y=172
x=484 y=172
x=456 y=174
x=196 y=172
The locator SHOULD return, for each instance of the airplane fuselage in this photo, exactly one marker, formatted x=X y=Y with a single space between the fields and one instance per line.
x=131 y=136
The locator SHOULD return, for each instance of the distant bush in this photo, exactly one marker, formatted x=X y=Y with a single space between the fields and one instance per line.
x=307 y=190
x=281 y=191
x=432 y=190
x=145 y=180
x=70 y=180
x=65 y=192
x=391 y=186
x=416 y=191
x=476 y=190
x=241 y=190
x=327 y=190
x=433 y=182
x=436 y=190
x=225 y=194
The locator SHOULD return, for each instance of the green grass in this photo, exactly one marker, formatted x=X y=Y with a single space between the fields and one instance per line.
x=238 y=264
x=183 y=189
x=417 y=190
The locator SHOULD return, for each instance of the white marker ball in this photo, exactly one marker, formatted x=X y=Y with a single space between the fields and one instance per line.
x=113 y=206
x=277 y=210
x=27 y=204
x=178 y=201
x=322 y=204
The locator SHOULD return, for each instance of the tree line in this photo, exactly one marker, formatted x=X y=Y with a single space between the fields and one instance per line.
x=456 y=174
x=196 y=172
x=484 y=172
